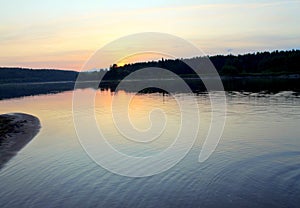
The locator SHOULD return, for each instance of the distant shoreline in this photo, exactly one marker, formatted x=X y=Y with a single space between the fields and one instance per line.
x=258 y=64
x=16 y=131
x=186 y=77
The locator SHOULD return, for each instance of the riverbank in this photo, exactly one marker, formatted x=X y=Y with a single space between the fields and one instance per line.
x=16 y=130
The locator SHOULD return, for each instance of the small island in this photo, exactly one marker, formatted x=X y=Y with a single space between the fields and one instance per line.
x=16 y=130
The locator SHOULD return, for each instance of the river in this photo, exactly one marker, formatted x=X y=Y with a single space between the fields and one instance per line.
x=256 y=163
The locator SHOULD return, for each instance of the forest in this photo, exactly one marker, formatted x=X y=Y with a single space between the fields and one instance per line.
x=19 y=75
x=254 y=64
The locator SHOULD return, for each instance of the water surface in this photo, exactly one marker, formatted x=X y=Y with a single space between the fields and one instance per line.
x=256 y=164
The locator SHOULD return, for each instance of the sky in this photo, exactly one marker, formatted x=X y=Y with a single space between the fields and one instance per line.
x=64 y=34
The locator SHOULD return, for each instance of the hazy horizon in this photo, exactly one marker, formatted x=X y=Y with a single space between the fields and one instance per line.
x=133 y=60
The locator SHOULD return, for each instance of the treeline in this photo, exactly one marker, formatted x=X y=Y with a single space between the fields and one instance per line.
x=285 y=62
x=260 y=63
x=11 y=75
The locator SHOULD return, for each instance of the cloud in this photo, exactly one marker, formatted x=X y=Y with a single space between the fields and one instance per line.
x=213 y=27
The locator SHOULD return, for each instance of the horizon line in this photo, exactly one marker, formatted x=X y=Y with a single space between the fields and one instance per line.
x=230 y=54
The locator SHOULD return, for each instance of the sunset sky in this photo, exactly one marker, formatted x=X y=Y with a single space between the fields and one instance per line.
x=64 y=34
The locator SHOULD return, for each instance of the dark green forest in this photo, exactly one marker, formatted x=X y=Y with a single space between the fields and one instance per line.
x=284 y=62
x=255 y=64
x=17 y=75
x=260 y=63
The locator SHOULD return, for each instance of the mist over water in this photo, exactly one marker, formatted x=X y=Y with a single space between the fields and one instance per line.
x=256 y=163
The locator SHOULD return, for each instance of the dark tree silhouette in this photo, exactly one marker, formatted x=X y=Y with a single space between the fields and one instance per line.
x=260 y=63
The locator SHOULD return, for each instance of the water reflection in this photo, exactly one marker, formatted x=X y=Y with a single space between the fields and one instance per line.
x=245 y=84
x=256 y=163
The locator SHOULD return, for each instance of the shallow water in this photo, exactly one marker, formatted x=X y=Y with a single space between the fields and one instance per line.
x=256 y=163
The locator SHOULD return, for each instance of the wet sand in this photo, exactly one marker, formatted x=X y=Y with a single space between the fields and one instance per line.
x=16 y=130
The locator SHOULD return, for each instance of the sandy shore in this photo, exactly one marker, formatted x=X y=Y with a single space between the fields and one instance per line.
x=16 y=130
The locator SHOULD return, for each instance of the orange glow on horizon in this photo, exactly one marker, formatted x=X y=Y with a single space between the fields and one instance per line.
x=143 y=57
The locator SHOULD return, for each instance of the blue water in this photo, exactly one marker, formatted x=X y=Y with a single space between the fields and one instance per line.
x=256 y=163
